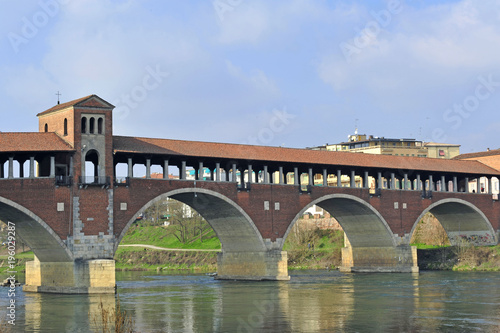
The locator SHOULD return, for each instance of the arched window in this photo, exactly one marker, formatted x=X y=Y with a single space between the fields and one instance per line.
x=92 y=125
x=46 y=127
x=100 y=122
x=84 y=124
x=65 y=126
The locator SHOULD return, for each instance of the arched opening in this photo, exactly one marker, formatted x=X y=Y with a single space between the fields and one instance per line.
x=462 y=221
x=368 y=244
x=46 y=128
x=452 y=222
x=91 y=125
x=362 y=224
x=92 y=166
x=84 y=125
x=233 y=227
x=65 y=126
x=100 y=123
x=43 y=241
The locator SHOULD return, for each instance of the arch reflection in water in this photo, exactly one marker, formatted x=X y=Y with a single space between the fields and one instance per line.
x=313 y=301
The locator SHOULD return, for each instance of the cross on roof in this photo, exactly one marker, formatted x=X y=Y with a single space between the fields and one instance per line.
x=58 y=94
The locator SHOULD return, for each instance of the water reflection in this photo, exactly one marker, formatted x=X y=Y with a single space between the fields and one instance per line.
x=311 y=302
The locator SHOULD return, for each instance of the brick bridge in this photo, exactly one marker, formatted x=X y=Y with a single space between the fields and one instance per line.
x=62 y=188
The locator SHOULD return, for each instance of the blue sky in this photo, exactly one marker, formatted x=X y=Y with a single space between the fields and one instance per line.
x=296 y=73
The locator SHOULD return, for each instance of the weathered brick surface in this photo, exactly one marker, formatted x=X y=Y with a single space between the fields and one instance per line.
x=40 y=196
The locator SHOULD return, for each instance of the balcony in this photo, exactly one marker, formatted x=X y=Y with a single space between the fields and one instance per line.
x=94 y=181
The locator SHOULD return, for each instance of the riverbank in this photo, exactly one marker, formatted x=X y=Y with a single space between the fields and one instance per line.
x=460 y=258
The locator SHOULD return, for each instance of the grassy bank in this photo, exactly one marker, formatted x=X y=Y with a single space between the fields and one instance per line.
x=21 y=259
x=160 y=236
x=128 y=258
x=460 y=258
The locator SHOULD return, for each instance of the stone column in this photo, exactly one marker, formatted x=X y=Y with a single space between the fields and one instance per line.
x=148 y=168
x=52 y=166
x=443 y=184
x=233 y=168
x=366 y=180
x=296 y=176
x=419 y=183
x=353 y=179
x=130 y=166
x=311 y=180
x=250 y=174
x=393 y=181
x=490 y=189
x=455 y=184
x=431 y=183
x=11 y=167
x=165 y=169
x=32 y=166
x=405 y=186
x=182 y=171
x=466 y=184
x=281 y=176
x=217 y=172
x=339 y=178
x=200 y=171
x=379 y=180
x=266 y=175
x=325 y=177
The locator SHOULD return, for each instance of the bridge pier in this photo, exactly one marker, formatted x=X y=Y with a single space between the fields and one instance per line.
x=78 y=277
x=399 y=259
x=268 y=265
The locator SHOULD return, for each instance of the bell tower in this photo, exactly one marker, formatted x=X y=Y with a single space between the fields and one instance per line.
x=87 y=125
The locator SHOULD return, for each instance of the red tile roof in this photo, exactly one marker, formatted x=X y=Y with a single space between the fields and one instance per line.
x=73 y=103
x=478 y=154
x=32 y=142
x=124 y=144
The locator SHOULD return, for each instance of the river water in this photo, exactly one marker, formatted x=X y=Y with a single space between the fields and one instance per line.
x=312 y=301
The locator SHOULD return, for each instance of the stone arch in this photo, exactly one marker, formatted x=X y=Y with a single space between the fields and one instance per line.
x=45 y=243
x=363 y=224
x=461 y=220
x=234 y=228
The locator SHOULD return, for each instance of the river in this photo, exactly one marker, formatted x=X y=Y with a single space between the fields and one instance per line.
x=312 y=301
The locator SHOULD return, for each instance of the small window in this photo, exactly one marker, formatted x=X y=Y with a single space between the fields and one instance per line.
x=46 y=127
x=84 y=124
x=65 y=126
x=92 y=125
x=99 y=125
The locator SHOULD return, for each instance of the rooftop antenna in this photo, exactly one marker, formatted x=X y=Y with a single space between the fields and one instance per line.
x=58 y=94
x=356 y=126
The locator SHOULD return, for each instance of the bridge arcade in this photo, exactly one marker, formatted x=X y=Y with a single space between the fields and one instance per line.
x=250 y=195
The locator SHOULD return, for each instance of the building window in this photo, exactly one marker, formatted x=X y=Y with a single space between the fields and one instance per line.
x=441 y=152
x=91 y=125
x=84 y=124
x=65 y=126
x=46 y=127
x=100 y=125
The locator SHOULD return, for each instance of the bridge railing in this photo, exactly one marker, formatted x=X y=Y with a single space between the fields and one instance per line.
x=122 y=181
x=97 y=180
x=64 y=180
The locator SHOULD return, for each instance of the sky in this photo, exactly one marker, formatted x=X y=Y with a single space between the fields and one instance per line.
x=297 y=73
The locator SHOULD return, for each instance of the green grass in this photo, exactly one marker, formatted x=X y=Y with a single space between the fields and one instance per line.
x=21 y=259
x=425 y=246
x=160 y=236
x=147 y=259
